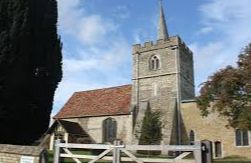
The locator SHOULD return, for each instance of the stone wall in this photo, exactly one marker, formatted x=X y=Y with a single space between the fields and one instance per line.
x=186 y=73
x=165 y=87
x=94 y=127
x=13 y=153
x=212 y=128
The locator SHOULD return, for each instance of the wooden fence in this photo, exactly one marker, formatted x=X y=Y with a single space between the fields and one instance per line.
x=128 y=150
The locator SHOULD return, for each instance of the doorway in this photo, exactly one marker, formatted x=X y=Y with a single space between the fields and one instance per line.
x=218 y=149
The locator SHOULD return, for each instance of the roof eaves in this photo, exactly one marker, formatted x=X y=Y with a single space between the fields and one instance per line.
x=88 y=116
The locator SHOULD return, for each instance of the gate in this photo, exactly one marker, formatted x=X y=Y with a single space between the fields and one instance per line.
x=116 y=149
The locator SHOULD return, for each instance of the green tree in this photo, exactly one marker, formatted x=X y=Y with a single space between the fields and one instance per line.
x=228 y=92
x=151 y=128
x=30 y=68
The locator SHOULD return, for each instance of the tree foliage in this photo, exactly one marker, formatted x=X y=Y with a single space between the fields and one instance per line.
x=151 y=128
x=228 y=92
x=30 y=68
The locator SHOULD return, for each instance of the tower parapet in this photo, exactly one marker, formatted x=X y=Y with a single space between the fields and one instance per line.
x=160 y=44
x=162 y=77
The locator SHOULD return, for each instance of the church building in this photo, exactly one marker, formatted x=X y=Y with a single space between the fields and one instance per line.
x=162 y=80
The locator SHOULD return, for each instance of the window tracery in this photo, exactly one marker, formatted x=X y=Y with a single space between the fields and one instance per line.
x=154 y=63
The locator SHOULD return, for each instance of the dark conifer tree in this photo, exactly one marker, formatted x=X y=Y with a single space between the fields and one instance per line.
x=30 y=68
x=150 y=133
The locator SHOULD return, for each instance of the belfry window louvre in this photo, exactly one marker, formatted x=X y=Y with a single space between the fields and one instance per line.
x=154 y=63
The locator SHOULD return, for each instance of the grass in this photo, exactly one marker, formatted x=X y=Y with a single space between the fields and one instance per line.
x=230 y=159
x=233 y=159
x=69 y=160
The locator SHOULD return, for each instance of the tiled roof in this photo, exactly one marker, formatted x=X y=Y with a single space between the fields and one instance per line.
x=70 y=127
x=107 y=101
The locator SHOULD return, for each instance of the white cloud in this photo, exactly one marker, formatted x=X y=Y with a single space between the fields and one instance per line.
x=110 y=58
x=227 y=24
x=230 y=18
x=91 y=58
x=205 y=30
x=89 y=29
x=226 y=10
x=69 y=14
x=93 y=29
x=102 y=61
x=122 y=12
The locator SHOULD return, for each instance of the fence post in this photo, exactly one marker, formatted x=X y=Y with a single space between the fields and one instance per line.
x=116 y=152
x=198 y=152
x=56 y=151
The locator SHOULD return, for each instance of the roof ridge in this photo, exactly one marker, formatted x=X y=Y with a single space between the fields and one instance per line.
x=106 y=88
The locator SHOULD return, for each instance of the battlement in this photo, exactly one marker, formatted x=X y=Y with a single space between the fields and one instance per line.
x=160 y=44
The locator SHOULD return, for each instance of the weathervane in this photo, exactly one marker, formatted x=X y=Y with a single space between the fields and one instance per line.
x=160 y=2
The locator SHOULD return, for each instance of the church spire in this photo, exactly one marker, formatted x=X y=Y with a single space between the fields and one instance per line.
x=162 y=28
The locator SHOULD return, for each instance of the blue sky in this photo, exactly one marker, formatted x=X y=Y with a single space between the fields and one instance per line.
x=97 y=36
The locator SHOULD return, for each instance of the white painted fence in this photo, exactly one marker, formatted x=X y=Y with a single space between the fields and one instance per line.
x=117 y=149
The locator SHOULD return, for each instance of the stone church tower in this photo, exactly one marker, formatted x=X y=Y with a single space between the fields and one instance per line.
x=162 y=77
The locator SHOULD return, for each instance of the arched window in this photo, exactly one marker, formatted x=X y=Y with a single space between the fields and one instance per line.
x=241 y=137
x=191 y=137
x=109 y=130
x=217 y=149
x=154 y=63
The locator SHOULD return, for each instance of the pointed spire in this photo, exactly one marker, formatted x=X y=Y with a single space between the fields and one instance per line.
x=162 y=28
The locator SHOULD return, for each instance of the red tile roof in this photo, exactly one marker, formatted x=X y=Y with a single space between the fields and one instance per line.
x=107 y=101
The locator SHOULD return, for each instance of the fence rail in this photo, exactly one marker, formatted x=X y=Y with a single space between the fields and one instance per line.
x=117 y=149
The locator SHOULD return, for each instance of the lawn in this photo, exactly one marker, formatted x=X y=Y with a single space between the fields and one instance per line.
x=232 y=159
